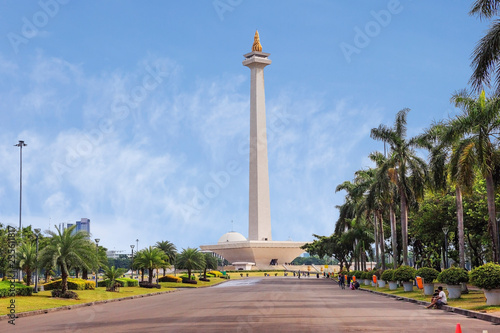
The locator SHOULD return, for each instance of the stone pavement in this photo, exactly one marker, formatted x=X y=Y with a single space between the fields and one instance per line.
x=272 y=304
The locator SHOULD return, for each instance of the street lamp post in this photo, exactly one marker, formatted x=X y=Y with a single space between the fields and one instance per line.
x=97 y=252
x=132 y=262
x=137 y=242
x=445 y=230
x=37 y=233
x=20 y=144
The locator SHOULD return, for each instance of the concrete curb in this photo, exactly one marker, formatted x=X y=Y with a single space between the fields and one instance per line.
x=467 y=313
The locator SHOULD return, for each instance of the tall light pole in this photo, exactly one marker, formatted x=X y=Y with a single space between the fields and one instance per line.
x=137 y=242
x=97 y=252
x=132 y=262
x=20 y=144
x=445 y=230
x=37 y=233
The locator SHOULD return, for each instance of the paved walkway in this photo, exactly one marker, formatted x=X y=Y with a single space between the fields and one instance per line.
x=271 y=304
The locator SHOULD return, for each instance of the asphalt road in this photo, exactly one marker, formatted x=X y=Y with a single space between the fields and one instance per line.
x=269 y=304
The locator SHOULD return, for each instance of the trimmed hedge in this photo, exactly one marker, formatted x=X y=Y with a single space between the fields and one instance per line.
x=21 y=289
x=149 y=285
x=486 y=276
x=73 y=284
x=404 y=274
x=68 y=294
x=453 y=276
x=428 y=274
x=186 y=280
x=123 y=282
x=388 y=275
x=216 y=273
x=170 y=278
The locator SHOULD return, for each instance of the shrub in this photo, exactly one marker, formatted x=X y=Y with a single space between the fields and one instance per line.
x=185 y=276
x=486 y=276
x=387 y=275
x=186 y=280
x=20 y=289
x=427 y=273
x=170 y=278
x=367 y=275
x=357 y=274
x=375 y=272
x=73 y=284
x=453 y=276
x=203 y=279
x=404 y=273
x=123 y=282
x=146 y=284
x=68 y=294
x=215 y=273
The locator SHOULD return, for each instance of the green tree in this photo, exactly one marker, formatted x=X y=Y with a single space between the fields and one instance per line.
x=407 y=171
x=486 y=55
x=170 y=251
x=112 y=274
x=66 y=249
x=210 y=263
x=26 y=258
x=477 y=128
x=150 y=258
x=190 y=259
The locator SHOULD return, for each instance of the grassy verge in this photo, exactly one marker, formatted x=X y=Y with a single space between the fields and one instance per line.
x=474 y=300
x=43 y=300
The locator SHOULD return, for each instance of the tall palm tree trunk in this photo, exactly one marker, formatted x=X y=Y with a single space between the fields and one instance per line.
x=404 y=225
x=150 y=277
x=28 y=277
x=382 y=241
x=375 y=236
x=64 y=281
x=394 y=236
x=460 y=220
x=492 y=225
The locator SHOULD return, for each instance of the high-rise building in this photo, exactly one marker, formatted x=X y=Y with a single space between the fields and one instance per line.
x=82 y=225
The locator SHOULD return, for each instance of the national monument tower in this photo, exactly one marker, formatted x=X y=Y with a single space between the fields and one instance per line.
x=259 y=249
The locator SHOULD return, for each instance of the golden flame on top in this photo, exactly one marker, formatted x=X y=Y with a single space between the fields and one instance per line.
x=256 y=42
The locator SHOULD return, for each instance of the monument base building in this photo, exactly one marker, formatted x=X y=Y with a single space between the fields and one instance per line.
x=250 y=254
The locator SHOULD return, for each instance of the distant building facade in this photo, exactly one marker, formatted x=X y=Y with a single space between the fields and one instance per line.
x=82 y=225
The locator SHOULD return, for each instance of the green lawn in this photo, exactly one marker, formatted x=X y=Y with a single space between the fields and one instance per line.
x=43 y=300
x=474 y=300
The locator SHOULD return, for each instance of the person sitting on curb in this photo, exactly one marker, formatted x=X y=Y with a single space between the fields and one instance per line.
x=439 y=300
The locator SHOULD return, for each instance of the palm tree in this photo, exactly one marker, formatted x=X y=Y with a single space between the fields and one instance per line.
x=150 y=258
x=112 y=274
x=407 y=171
x=381 y=194
x=66 y=249
x=190 y=259
x=170 y=251
x=477 y=128
x=26 y=259
x=210 y=263
x=487 y=52
x=445 y=159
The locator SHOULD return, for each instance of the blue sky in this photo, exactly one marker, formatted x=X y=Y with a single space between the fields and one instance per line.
x=136 y=114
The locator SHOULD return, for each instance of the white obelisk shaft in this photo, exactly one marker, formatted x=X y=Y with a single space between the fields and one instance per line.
x=259 y=212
